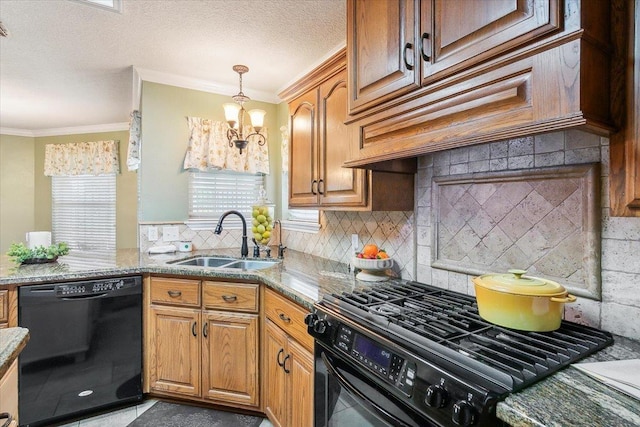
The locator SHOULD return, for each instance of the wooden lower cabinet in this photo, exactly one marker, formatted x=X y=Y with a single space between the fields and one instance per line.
x=9 y=393
x=289 y=380
x=199 y=353
x=230 y=355
x=174 y=350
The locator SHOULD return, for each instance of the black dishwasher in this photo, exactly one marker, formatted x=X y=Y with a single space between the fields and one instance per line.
x=85 y=348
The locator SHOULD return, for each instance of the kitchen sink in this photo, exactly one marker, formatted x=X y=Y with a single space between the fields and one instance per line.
x=204 y=261
x=218 y=262
x=247 y=264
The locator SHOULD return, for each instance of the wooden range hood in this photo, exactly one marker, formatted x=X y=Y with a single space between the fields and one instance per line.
x=553 y=73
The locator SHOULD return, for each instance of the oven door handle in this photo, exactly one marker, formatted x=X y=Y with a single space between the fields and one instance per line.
x=386 y=416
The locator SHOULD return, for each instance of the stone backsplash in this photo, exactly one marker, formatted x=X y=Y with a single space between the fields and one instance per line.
x=408 y=236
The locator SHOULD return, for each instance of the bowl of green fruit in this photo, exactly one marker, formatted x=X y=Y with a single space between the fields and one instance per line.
x=21 y=254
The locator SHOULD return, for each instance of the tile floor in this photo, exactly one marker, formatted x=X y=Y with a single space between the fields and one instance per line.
x=122 y=417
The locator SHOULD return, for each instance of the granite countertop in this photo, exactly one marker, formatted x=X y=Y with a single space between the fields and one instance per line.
x=12 y=341
x=302 y=277
x=572 y=398
x=568 y=397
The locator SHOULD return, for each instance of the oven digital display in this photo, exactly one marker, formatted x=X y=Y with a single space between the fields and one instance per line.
x=370 y=351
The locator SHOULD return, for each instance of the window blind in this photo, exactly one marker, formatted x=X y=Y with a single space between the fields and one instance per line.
x=213 y=193
x=84 y=211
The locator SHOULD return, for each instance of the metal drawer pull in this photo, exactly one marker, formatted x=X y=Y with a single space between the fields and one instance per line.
x=229 y=298
x=174 y=294
x=406 y=59
x=319 y=190
x=193 y=329
x=205 y=328
x=314 y=183
x=287 y=371
x=284 y=317
x=281 y=364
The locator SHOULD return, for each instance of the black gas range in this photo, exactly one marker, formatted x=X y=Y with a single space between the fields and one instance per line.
x=410 y=354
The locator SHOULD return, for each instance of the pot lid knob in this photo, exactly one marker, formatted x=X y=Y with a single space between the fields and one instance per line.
x=517 y=272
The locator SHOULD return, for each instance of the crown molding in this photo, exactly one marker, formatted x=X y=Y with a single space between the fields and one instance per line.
x=202 y=85
x=330 y=55
x=109 y=127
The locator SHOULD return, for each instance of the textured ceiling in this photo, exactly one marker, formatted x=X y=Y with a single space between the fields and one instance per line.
x=68 y=64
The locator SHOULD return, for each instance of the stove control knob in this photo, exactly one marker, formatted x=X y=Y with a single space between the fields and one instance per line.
x=310 y=319
x=320 y=326
x=436 y=396
x=463 y=414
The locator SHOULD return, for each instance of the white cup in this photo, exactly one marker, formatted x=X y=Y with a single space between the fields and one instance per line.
x=185 y=246
x=38 y=238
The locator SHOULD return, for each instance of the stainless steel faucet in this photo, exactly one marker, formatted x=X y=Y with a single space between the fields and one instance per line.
x=244 y=250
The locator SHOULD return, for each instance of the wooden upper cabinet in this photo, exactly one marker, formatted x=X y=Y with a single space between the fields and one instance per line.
x=337 y=185
x=624 y=176
x=459 y=34
x=382 y=59
x=303 y=150
x=396 y=47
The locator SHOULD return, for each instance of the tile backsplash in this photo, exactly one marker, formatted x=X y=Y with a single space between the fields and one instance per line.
x=408 y=236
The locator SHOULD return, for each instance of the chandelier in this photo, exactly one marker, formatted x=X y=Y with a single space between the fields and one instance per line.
x=234 y=113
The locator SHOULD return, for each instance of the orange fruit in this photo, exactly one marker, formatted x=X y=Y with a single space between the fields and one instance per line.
x=370 y=251
x=382 y=255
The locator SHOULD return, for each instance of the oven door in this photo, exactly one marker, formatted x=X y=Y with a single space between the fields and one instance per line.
x=344 y=396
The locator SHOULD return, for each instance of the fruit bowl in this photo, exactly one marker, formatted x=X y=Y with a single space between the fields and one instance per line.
x=372 y=270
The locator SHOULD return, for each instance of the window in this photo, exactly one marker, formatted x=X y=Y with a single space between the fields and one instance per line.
x=84 y=211
x=213 y=193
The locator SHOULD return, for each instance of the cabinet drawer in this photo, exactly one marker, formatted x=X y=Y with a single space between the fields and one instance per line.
x=4 y=309
x=288 y=316
x=230 y=296
x=181 y=292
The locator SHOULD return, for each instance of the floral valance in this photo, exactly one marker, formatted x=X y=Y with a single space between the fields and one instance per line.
x=133 y=151
x=82 y=158
x=209 y=149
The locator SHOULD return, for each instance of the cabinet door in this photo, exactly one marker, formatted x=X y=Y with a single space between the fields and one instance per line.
x=275 y=381
x=230 y=357
x=300 y=372
x=9 y=391
x=174 y=350
x=303 y=174
x=337 y=185
x=459 y=34
x=382 y=56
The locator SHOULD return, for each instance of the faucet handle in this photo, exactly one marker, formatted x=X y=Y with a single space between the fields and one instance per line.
x=281 y=251
x=256 y=249
x=268 y=251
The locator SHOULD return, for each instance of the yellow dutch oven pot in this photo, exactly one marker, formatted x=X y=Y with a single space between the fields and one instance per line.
x=520 y=302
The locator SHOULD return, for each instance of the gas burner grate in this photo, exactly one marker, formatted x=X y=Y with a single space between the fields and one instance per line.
x=423 y=315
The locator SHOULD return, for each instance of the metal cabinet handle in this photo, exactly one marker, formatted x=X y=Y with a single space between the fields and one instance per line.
x=284 y=362
x=205 y=328
x=314 y=182
x=319 y=190
x=281 y=364
x=284 y=317
x=229 y=298
x=193 y=329
x=425 y=41
x=174 y=294
x=408 y=46
x=8 y=417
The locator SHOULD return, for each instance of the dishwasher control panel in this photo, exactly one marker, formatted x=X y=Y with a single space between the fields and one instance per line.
x=89 y=288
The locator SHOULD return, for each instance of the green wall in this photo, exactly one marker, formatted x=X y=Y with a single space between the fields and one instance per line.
x=25 y=192
x=165 y=135
x=17 y=194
